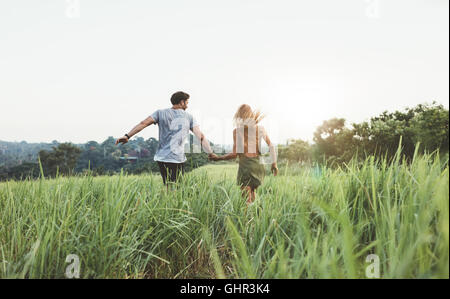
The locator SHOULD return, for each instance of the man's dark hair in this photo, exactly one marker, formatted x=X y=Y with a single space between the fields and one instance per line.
x=178 y=97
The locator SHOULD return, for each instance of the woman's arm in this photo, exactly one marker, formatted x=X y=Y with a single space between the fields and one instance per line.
x=231 y=155
x=273 y=154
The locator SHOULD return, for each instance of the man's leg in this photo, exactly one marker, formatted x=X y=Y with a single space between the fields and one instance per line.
x=176 y=171
x=180 y=170
x=173 y=172
x=163 y=171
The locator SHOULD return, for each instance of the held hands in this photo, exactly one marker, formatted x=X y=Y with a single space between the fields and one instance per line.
x=274 y=169
x=122 y=140
x=213 y=157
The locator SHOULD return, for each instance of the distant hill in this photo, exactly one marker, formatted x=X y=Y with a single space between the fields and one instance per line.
x=18 y=159
x=16 y=153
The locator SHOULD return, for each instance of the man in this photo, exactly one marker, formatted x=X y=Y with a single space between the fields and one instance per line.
x=174 y=125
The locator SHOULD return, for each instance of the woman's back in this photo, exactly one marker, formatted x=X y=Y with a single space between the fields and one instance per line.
x=247 y=146
x=248 y=140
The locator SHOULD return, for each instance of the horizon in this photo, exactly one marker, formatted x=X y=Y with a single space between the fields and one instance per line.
x=74 y=71
x=347 y=125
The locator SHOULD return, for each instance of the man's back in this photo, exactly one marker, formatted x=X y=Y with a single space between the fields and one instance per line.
x=174 y=126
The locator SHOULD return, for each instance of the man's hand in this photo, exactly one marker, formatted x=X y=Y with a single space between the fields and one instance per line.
x=213 y=157
x=123 y=140
x=274 y=169
x=139 y=127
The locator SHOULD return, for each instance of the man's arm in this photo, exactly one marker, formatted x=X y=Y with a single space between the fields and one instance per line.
x=139 y=127
x=204 y=142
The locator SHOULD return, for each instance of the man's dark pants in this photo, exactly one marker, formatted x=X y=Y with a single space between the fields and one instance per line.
x=170 y=171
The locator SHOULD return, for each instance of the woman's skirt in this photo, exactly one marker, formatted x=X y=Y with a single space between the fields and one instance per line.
x=251 y=172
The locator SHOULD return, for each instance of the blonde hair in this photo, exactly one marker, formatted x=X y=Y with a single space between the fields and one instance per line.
x=245 y=116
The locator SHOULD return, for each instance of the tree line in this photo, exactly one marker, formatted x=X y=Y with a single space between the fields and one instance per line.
x=425 y=126
x=104 y=158
x=333 y=144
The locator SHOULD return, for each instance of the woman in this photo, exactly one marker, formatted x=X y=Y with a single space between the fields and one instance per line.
x=246 y=145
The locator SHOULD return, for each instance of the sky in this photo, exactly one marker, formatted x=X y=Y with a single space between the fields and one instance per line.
x=81 y=70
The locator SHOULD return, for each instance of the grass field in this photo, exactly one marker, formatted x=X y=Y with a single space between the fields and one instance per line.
x=305 y=223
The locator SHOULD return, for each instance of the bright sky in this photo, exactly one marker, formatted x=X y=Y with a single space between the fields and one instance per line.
x=88 y=69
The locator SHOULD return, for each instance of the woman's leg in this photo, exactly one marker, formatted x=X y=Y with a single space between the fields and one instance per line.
x=253 y=194
x=247 y=193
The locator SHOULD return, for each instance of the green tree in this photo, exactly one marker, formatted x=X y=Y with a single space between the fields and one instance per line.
x=430 y=128
x=334 y=142
x=425 y=124
x=295 y=151
x=62 y=159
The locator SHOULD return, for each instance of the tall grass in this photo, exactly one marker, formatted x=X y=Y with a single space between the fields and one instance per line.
x=305 y=225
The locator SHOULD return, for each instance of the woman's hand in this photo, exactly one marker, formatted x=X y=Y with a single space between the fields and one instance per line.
x=123 y=140
x=213 y=157
x=274 y=169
